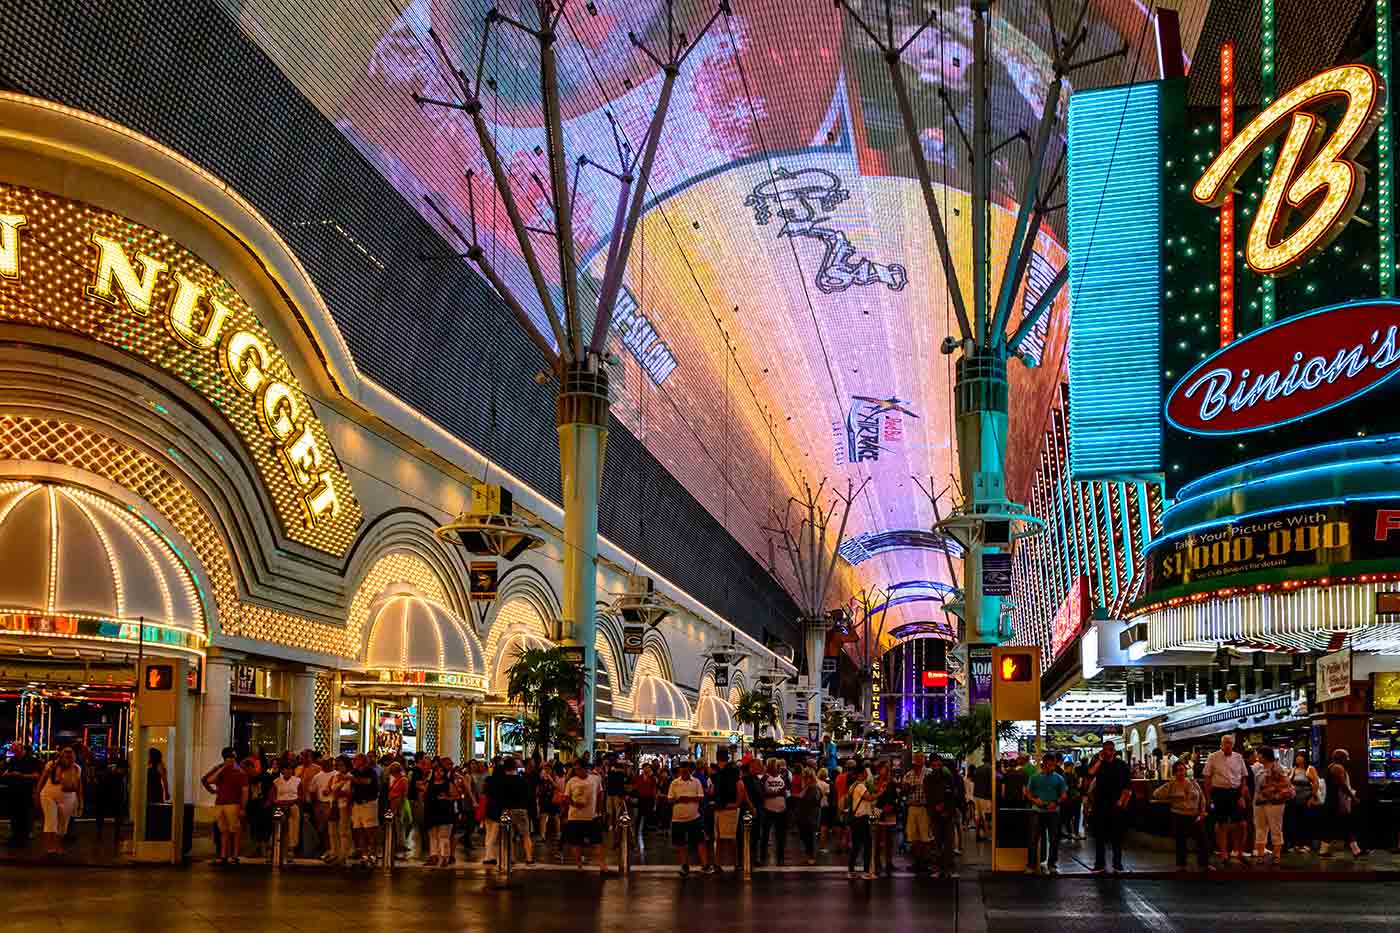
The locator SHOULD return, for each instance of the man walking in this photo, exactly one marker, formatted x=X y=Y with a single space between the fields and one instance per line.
x=1113 y=789
x=1046 y=791
x=687 y=829
x=775 y=795
x=982 y=799
x=917 y=830
x=229 y=785
x=730 y=794
x=21 y=779
x=940 y=798
x=1226 y=777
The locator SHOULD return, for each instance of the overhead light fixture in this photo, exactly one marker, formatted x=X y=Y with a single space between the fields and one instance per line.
x=491 y=529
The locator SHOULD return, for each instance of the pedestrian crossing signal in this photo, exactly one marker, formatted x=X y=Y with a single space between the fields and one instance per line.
x=1016 y=668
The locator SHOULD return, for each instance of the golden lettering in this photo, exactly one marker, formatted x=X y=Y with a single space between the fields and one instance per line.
x=302 y=457
x=9 y=244
x=237 y=349
x=277 y=406
x=1332 y=180
x=183 y=309
x=321 y=501
x=114 y=269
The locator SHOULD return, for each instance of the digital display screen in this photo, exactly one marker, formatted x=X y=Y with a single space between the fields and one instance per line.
x=783 y=304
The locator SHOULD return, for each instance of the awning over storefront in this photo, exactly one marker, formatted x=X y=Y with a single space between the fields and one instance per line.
x=657 y=700
x=80 y=566
x=416 y=641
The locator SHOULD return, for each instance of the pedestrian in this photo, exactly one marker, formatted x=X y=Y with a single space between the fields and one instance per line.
x=730 y=795
x=616 y=782
x=286 y=789
x=862 y=811
x=581 y=823
x=982 y=799
x=1339 y=820
x=59 y=786
x=940 y=798
x=364 y=809
x=322 y=804
x=1301 y=811
x=1188 y=808
x=21 y=777
x=339 y=821
x=1227 y=777
x=515 y=801
x=1047 y=792
x=229 y=784
x=1273 y=791
x=1112 y=791
x=775 y=794
x=398 y=805
x=1074 y=801
x=828 y=808
x=439 y=807
x=644 y=787
x=886 y=819
x=687 y=828
x=258 y=814
x=917 y=831
x=418 y=778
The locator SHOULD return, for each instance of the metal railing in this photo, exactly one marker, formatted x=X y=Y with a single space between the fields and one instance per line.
x=279 y=821
x=505 y=848
x=390 y=842
x=624 y=841
x=746 y=822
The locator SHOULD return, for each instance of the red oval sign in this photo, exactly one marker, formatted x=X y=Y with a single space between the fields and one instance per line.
x=1290 y=370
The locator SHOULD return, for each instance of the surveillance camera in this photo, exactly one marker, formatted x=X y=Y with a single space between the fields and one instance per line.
x=950 y=344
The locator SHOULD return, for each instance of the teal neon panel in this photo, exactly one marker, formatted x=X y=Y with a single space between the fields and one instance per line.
x=1115 y=277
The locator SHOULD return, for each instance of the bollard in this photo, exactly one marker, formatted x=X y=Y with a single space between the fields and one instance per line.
x=624 y=835
x=274 y=857
x=746 y=827
x=505 y=843
x=389 y=841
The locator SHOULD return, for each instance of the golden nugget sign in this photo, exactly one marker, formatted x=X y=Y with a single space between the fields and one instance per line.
x=1331 y=181
x=67 y=265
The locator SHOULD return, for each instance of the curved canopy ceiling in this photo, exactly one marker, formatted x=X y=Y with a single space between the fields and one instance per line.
x=784 y=258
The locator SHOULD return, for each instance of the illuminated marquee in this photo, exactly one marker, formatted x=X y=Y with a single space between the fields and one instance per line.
x=1302 y=366
x=71 y=266
x=1330 y=178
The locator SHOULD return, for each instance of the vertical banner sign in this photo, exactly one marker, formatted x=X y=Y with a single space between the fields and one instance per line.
x=722 y=677
x=1227 y=210
x=831 y=675
x=633 y=637
x=484 y=580
x=979 y=674
x=576 y=656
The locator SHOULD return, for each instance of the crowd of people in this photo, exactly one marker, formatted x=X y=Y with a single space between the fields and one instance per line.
x=1232 y=806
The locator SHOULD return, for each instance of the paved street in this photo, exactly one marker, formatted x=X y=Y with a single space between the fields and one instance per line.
x=202 y=898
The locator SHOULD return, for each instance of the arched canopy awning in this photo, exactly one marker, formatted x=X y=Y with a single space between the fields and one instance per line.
x=714 y=717
x=655 y=699
x=80 y=566
x=415 y=640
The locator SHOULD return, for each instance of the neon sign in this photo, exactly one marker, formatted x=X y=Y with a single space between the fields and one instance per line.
x=1069 y=620
x=68 y=265
x=1331 y=175
x=1299 y=367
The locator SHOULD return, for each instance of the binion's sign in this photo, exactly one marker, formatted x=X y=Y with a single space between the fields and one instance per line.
x=1296 y=368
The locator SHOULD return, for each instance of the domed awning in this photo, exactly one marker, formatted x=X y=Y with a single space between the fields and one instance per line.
x=656 y=699
x=80 y=565
x=411 y=634
x=713 y=714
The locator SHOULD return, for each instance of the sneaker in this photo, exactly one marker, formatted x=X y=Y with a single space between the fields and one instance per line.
x=1117 y=869
x=869 y=876
x=685 y=871
x=1032 y=871
x=1097 y=870
x=1054 y=869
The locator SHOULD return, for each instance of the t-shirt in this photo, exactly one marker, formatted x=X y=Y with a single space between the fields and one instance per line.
x=229 y=785
x=684 y=812
x=727 y=786
x=1110 y=780
x=320 y=786
x=287 y=789
x=582 y=794
x=617 y=781
x=1047 y=788
x=368 y=791
x=774 y=793
x=913 y=783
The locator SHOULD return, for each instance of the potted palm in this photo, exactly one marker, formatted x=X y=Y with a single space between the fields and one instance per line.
x=543 y=680
x=757 y=710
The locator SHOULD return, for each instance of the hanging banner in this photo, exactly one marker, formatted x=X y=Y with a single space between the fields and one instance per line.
x=831 y=675
x=484 y=581
x=996 y=574
x=979 y=662
x=1334 y=675
x=721 y=677
x=633 y=637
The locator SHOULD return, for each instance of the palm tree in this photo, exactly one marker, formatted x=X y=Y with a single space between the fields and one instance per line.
x=756 y=709
x=543 y=680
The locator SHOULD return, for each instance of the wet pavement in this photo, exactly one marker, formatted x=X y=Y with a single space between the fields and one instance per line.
x=203 y=898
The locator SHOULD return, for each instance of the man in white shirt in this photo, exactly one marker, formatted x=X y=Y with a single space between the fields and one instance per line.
x=581 y=825
x=318 y=793
x=1225 y=776
x=286 y=791
x=687 y=829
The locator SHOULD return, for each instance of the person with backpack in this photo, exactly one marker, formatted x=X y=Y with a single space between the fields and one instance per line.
x=776 y=789
x=862 y=810
x=941 y=798
x=1339 y=821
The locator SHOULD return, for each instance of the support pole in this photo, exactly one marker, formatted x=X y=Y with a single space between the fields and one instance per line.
x=390 y=842
x=980 y=175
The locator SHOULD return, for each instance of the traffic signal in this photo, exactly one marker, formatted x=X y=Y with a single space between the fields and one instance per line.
x=1016 y=683
x=160 y=677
